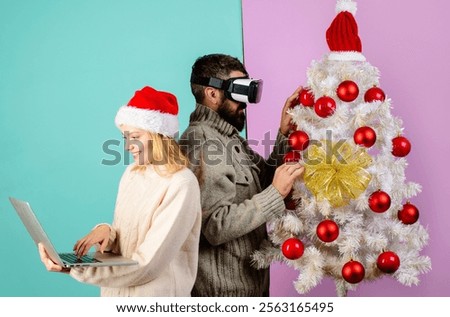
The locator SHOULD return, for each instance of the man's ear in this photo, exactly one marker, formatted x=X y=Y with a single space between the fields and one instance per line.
x=213 y=98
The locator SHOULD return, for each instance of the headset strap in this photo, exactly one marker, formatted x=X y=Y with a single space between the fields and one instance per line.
x=208 y=81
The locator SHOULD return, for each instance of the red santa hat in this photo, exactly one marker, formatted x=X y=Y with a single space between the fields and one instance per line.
x=342 y=35
x=150 y=110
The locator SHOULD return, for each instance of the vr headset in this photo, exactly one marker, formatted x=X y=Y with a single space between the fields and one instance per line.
x=239 y=89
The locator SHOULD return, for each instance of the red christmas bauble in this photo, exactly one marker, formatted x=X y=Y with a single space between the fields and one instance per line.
x=388 y=262
x=327 y=230
x=353 y=272
x=379 y=201
x=374 y=94
x=306 y=97
x=365 y=136
x=347 y=91
x=408 y=214
x=292 y=248
x=292 y=156
x=325 y=106
x=400 y=146
x=298 y=140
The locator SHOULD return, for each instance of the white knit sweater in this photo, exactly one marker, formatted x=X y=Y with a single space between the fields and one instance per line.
x=157 y=223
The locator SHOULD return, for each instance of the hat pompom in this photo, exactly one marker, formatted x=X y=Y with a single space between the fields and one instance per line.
x=346 y=5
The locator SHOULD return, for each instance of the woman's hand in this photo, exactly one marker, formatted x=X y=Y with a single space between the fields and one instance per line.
x=98 y=235
x=49 y=264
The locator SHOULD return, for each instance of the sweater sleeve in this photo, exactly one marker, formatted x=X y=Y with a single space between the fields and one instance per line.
x=275 y=159
x=172 y=224
x=222 y=219
x=280 y=148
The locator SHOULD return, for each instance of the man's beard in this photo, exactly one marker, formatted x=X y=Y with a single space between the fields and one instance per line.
x=235 y=118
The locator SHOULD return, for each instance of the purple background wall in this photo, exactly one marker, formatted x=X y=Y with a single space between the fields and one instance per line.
x=410 y=46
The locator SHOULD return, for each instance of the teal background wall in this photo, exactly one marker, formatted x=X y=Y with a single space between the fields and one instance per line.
x=65 y=69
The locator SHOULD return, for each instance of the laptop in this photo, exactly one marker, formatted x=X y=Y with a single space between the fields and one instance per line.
x=66 y=260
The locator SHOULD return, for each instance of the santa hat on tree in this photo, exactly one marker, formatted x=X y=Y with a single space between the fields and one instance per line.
x=150 y=110
x=342 y=35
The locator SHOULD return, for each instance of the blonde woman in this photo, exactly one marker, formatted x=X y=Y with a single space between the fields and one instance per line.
x=157 y=215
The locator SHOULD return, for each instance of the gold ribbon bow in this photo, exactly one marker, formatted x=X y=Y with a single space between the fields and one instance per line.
x=336 y=171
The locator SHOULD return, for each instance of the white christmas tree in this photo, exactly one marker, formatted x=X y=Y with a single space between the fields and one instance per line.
x=351 y=217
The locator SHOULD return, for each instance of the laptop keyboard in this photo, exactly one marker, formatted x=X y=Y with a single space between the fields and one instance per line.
x=72 y=258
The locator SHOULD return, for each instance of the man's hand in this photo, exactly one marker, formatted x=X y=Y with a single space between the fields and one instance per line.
x=285 y=176
x=285 y=117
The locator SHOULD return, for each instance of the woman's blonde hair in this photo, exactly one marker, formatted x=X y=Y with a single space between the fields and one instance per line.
x=164 y=155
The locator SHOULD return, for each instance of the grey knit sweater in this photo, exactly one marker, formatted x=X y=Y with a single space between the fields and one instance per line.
x=237 y=200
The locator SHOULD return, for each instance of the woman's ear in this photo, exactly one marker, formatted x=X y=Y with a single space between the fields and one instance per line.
x=213 y=98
